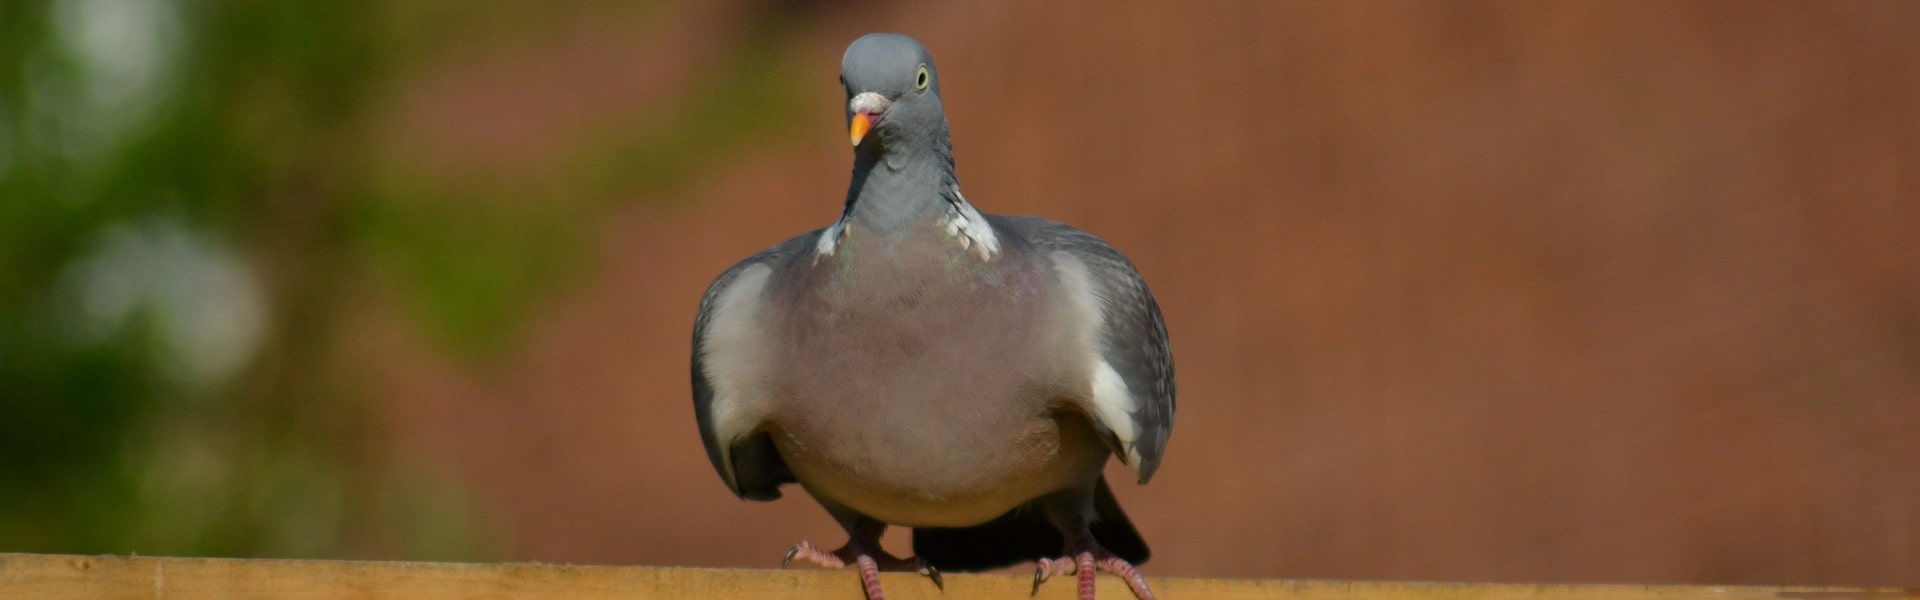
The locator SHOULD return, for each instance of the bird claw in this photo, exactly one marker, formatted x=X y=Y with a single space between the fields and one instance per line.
x=933 y=574
x=1044 y=569
x=814 y=554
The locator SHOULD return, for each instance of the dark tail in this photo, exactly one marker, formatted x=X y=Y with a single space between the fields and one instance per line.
x=1024 y=535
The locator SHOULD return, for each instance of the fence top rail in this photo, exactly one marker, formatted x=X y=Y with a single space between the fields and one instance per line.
x=64 y=577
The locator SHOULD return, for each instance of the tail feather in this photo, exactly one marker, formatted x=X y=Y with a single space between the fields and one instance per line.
x=1024 y=535
x=1113 y=530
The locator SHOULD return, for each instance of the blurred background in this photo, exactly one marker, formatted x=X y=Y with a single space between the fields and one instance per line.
x=1507 y=291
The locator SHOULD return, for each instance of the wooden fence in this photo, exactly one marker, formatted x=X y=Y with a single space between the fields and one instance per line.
x=68 y=577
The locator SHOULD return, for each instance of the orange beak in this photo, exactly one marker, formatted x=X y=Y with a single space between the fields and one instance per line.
x=862 y=123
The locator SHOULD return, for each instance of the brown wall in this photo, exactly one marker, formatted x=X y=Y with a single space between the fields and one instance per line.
x=1581 y=291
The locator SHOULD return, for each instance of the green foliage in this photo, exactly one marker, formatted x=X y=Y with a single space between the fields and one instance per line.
x=150 y=154
x=187 y=193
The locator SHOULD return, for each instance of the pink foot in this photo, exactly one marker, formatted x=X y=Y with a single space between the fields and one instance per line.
x=868 y=565
x=1084 y=567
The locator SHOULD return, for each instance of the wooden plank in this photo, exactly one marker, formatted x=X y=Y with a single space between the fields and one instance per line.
x=65 y=577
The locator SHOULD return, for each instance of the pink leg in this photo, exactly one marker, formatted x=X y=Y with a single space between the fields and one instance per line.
x=870 y=577
x=1083 y=567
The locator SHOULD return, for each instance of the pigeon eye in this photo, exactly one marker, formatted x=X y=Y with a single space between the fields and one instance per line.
x=920 y=79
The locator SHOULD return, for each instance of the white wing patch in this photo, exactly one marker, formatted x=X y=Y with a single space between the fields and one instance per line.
x=1114 y=405
x=1107 y=398
x=964 y=222
x=734 y=353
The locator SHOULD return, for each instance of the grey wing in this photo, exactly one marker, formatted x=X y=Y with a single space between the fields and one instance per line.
x=725 y=350
x=1133 y=335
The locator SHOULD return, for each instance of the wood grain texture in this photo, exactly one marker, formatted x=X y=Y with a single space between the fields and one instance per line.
x=63 y=577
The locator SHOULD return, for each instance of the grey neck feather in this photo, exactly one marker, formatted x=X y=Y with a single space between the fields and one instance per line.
x=908 y=183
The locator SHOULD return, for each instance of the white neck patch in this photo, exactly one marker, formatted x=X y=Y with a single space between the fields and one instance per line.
x=830 y=239
x=964 y=221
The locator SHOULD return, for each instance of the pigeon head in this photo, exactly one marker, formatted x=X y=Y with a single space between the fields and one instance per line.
x=893 y=92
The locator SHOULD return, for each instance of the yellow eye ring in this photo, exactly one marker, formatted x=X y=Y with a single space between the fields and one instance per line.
x=921 y=79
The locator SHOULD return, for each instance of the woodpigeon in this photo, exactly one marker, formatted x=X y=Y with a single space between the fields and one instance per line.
x=923 y=364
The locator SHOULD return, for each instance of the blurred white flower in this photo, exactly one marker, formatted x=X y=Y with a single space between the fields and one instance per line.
x=206 y=307
x=124 y=53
